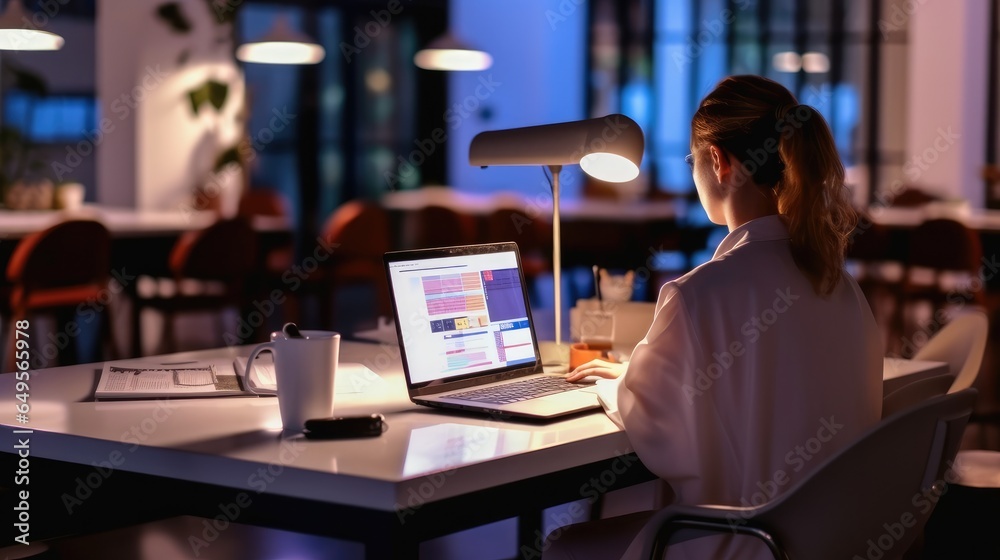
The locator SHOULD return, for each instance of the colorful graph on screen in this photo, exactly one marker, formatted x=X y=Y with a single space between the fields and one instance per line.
x=453 y=293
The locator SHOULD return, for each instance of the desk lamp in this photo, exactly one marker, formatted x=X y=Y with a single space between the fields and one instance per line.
x=607 y=148
x=17 y=33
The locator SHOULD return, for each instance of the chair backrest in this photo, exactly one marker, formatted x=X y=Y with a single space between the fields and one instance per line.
x=360 y=229
x=945 y=244
x=263 y=202
x=915 y=393
x=512 y=224
x=961 y=343
x=70 y=253
x=440 y=226
x=911 y=197
x=869 y=242
x=879 y=491
x=223 y=251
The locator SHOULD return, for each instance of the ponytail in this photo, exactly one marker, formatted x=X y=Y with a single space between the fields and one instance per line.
x=786 y=147
x=812 y=197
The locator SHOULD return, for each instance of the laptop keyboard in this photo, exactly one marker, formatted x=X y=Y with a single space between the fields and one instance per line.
x=518 y=391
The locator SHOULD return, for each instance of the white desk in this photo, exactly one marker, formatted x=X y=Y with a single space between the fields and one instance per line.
x=433 y=471
x=430 y=474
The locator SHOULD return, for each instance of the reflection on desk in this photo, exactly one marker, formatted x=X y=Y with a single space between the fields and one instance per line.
x=441 y=447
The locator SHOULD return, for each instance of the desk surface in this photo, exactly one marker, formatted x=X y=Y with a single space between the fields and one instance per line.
x=225 y=441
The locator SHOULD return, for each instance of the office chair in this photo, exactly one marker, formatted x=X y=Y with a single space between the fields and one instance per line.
x=359 y=233
x=59 y=270
x=440 y=226
x=941 y=248
x=877 y=274
x=273 y=204
x=961 y=343
x=209 y=269
x=511 y=224
x=845 y=505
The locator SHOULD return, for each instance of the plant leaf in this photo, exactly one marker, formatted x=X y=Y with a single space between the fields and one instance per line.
x=198 y=96
x=224 y=10
x=230 y=156
x=217 y=93
x=173 y=16
x=25 y=80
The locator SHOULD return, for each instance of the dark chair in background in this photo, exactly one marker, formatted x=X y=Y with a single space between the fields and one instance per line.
x=509 y=224
x=942 y=268
x=912 y=197
x=440 y=226
x=60 y=271
x=209 y=270
x=272 y=204
x=275 y=253
x=359 y=235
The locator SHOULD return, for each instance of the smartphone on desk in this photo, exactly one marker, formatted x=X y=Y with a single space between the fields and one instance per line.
x=345 y=427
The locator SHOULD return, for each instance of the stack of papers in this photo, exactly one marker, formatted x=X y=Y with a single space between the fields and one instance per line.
x=146 y=378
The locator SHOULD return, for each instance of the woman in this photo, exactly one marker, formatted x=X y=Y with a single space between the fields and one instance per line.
x=764 y=361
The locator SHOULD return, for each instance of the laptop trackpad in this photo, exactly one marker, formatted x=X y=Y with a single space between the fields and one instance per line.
x=570 y=401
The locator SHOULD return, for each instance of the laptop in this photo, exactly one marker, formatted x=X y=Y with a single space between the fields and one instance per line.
x=466 y=336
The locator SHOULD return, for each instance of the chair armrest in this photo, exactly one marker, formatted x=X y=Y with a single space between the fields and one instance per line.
x=652 y=540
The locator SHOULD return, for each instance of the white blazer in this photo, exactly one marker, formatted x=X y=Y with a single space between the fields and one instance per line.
x=747 y=380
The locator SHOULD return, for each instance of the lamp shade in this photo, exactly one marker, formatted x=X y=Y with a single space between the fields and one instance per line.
x=282 y=45
x=15 y=35
x=607 y=148
x=448 y=52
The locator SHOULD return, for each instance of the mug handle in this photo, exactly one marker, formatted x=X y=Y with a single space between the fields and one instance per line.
x=265 y=347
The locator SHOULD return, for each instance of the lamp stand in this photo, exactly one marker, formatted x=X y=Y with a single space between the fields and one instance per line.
x=556 y=251
x=557 y=355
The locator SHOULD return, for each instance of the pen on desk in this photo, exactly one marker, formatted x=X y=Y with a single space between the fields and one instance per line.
x=178 y=363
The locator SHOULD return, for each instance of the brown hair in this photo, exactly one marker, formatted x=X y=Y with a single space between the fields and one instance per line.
x=789 y=148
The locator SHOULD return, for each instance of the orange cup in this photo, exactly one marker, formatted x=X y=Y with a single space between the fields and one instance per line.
x=582 y=352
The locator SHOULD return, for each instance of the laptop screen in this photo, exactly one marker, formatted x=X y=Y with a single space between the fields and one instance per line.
x=461 y=311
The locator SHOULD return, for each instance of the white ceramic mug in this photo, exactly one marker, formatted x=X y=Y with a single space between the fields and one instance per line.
x=304 y=370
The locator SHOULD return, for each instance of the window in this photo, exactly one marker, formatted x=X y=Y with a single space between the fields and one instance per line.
x=50 y=119
x=833 y=54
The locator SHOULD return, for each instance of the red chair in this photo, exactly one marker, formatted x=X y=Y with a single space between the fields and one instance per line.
x=440 y=226
x=62 y=270
x=509 y=224
x=209 y=269
x=359 y=233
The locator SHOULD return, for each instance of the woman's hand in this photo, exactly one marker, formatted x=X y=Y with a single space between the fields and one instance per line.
x=596 y=368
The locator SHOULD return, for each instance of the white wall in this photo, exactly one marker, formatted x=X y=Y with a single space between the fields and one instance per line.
x=947 y=84
x=157 y=151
